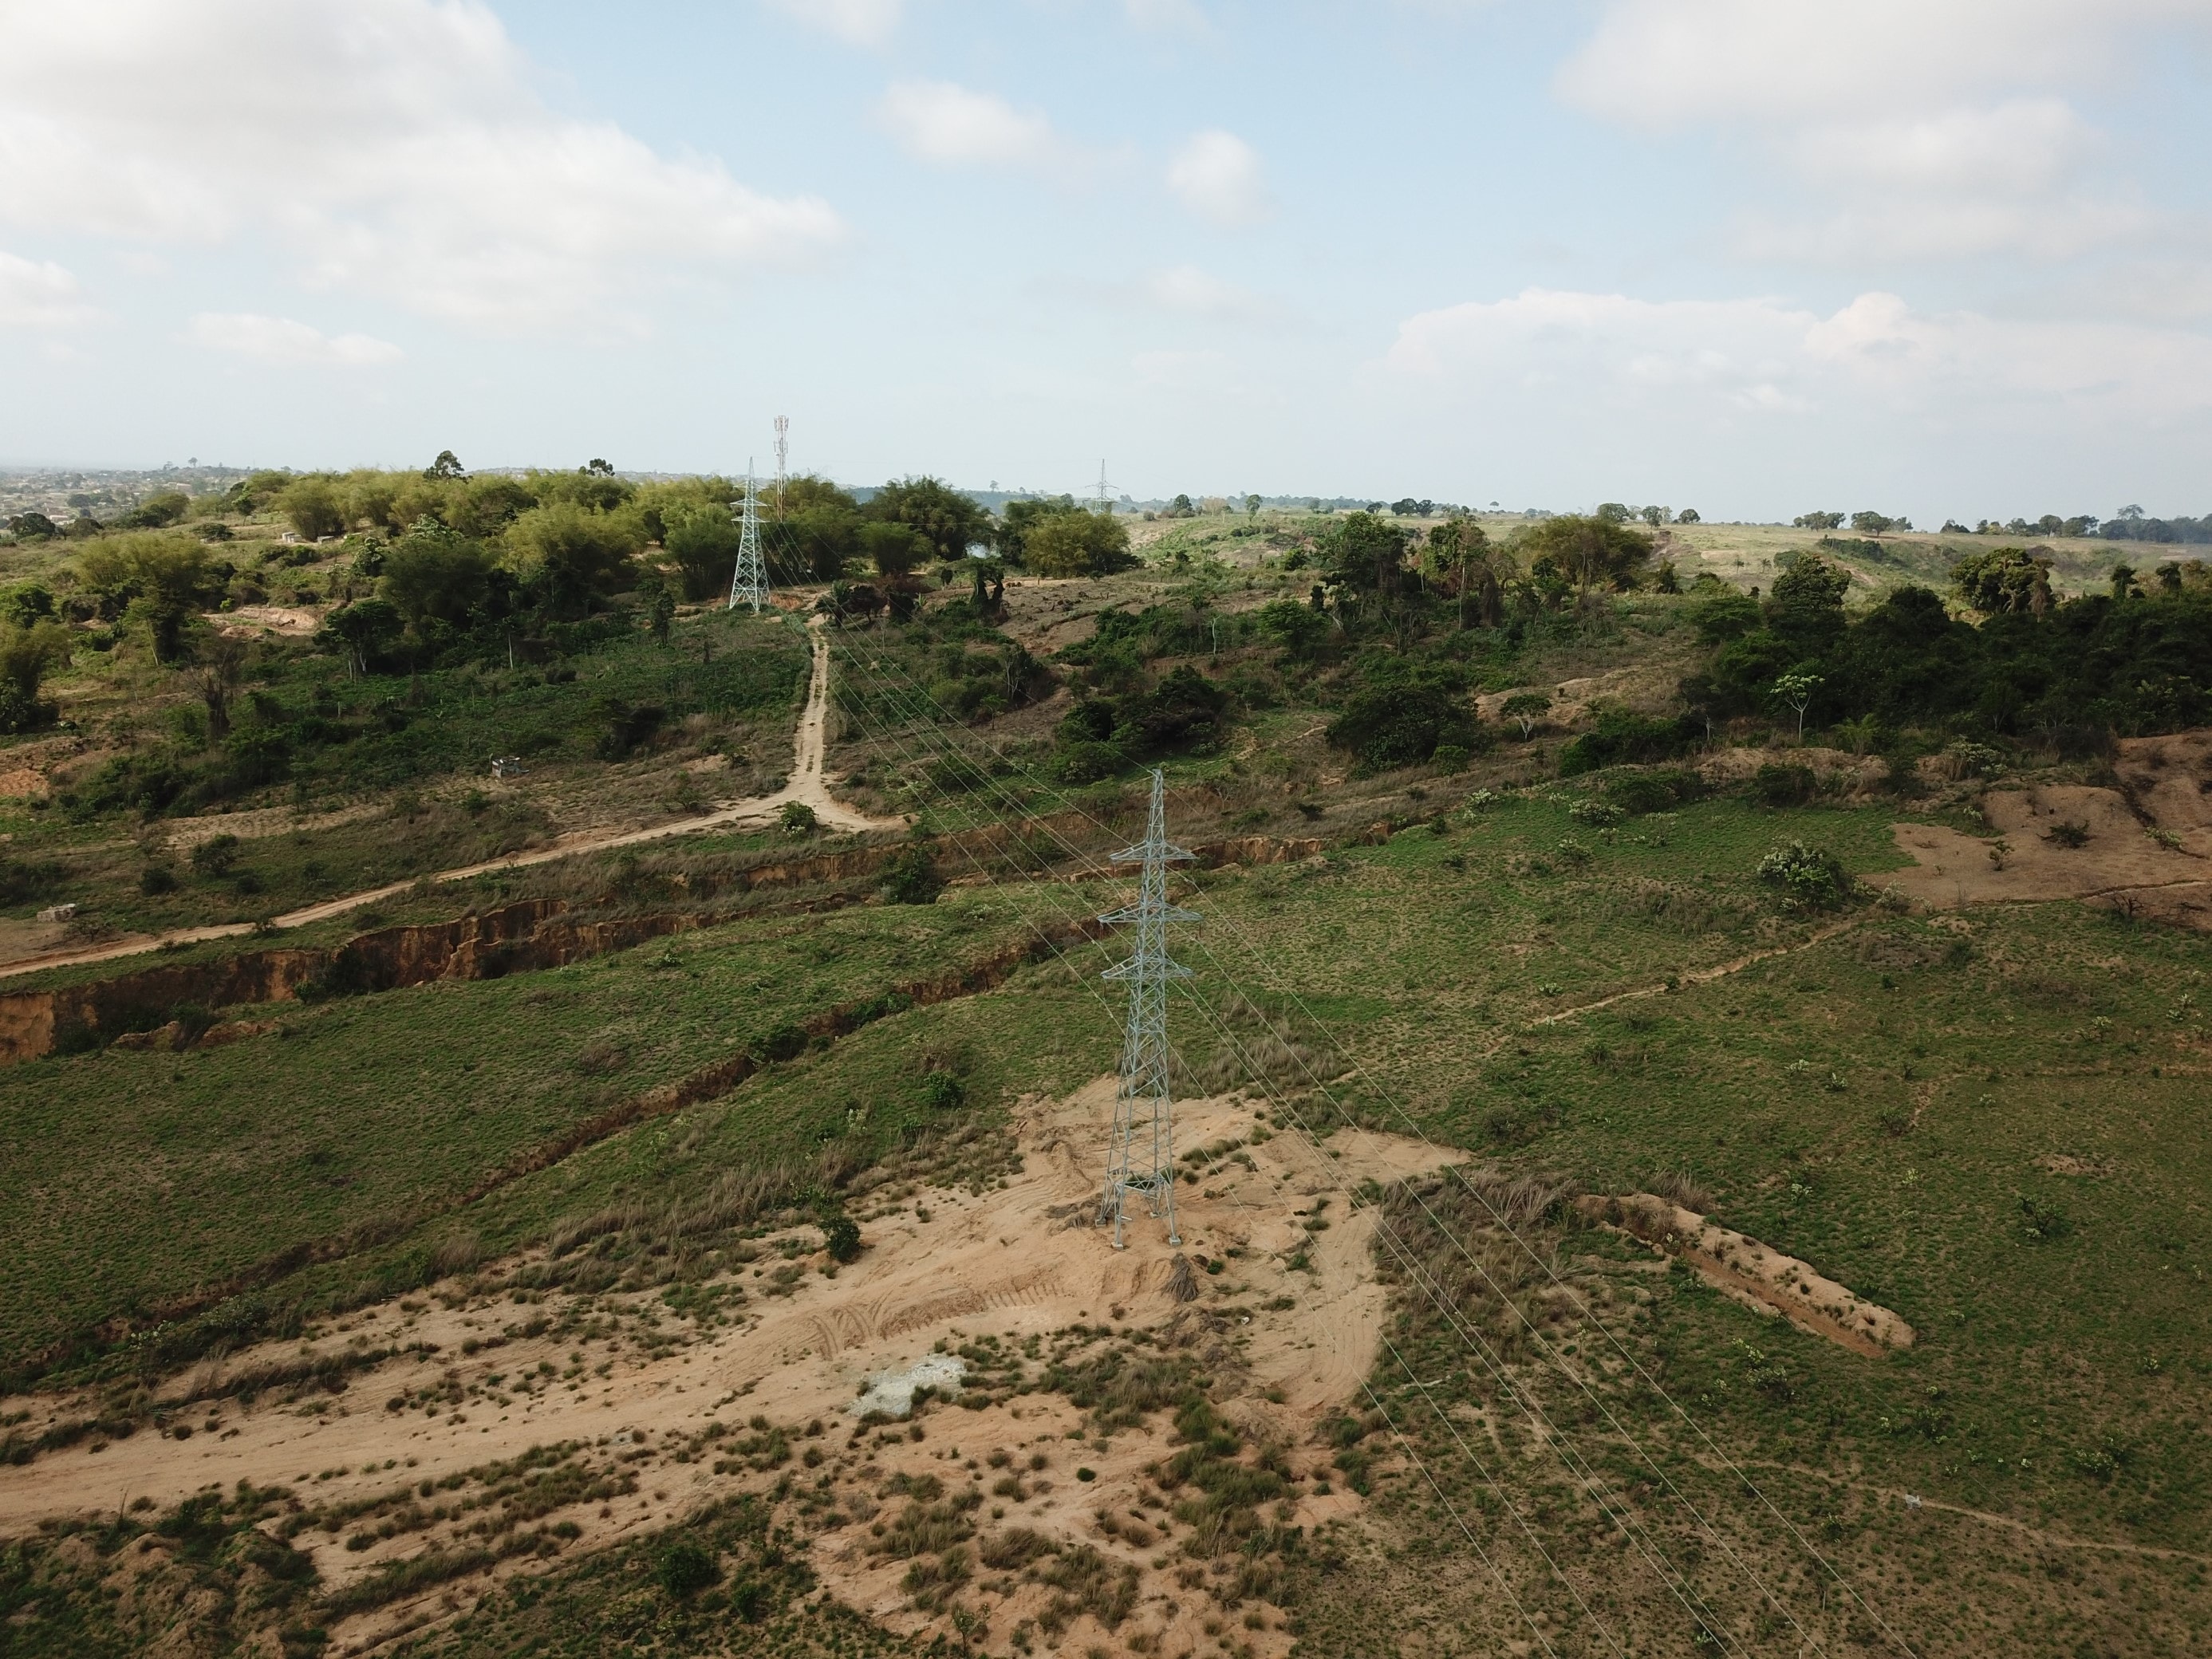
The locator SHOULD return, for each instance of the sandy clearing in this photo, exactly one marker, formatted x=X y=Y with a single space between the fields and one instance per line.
x=1015 y=1261
x=294 y=622
x=806 y=786
x=2119 y=857
x=1763 y=1279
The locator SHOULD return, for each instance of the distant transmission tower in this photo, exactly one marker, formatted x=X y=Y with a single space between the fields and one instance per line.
x=1105 y=500
x=782 y=451
x=749 y=581
x=1141 y=1159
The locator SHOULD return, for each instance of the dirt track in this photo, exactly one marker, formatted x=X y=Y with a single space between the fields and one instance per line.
x=1018 y=1261
x=806 y=786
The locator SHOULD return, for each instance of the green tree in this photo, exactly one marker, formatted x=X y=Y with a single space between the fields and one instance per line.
x=575 y=556
x=2124 y=581
x=894 y=549
x=2004 y=579
x=1594 y=552
x=435 y=574
x=159 y=578
x=1077 y=543
x=1876 y=524
x=28 y=655
x=1020 y=517
x=1461 y=554
x=447 y=465
x=950 y=520
x=315 y=508
x=1795 y=690
x=1818 y=520
x=1524 y=709
x=703 y=542
x=1655 y=516
x=1365 y=551
x=158 y=511
x=362 y=630
x=1806 y=606
x=1251 y=507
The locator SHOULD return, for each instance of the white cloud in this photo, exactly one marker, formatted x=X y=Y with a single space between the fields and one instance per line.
x=39 y=294
x=861 y=22
x=1218 y=176
x=394 y=146
x=1941 y=128
x=1733 y=361
x=1182 y=16
x=1670 y=64
x=293 y=346
x=1190 y=292
x=937 y=121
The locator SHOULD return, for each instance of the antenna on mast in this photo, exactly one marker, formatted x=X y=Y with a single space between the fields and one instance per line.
x=1141 y=1156
x=749 y=581
x=782 y=449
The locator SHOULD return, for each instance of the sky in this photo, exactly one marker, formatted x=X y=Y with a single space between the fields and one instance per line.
x=1939 y=258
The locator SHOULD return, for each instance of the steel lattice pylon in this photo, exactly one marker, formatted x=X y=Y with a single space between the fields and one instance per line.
x=749 y=581
x=1141 y=1158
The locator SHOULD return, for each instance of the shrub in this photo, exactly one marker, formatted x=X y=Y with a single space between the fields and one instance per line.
x=685 y=1568
x=797 y=818
x=1599 y=812
x=216 y=855
x=1809 y=879
x=1621 y=737
x=1400 y=717
x=1450 y=757
x=942 y=1092
x=1638 y=792
x=911 y=878
x=841 y=1237
x=156 y=879
x=2069 y=834
x=1782 y=784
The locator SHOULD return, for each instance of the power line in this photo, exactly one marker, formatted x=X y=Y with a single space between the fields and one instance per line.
x=749 y=581
x=1543 y=1344
x=1140 y=1157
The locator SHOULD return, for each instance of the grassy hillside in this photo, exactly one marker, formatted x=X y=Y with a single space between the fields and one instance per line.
x=1566 y=951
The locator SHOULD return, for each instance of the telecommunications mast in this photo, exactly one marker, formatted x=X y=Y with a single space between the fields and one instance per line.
x=1141 y=1158
x=783 y=450
x=749 y=581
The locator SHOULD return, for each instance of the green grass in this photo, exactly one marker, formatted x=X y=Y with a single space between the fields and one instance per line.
x=132 y=1178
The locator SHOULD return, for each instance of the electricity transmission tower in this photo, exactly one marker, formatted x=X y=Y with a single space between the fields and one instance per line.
x=1141 y=1158
x=1105 y=500
x=749 y=581
x=782 y=451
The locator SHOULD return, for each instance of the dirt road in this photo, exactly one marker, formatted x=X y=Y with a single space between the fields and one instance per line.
x=806 y=786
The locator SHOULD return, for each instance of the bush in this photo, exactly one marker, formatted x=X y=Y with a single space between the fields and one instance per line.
x=841 y=1237
x=911 y=878
x=1808 y=877
x=1401 y=716
x=685 y=1568
x=156 y=879
x=1781 y=784
x=1622 y=738
x=797 y=818
x=941 y=1091
x=1638 y=792
x=216 y=855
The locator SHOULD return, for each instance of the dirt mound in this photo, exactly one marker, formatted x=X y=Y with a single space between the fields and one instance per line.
x=1763 y=1279
x=1285 y=1323
x=2145 y=848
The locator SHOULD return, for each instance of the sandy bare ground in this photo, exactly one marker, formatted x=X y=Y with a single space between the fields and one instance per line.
x=806 y=786
x=292 y=621
x=1763 y=1279
x=1019 y=1260
x=2124 y=861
